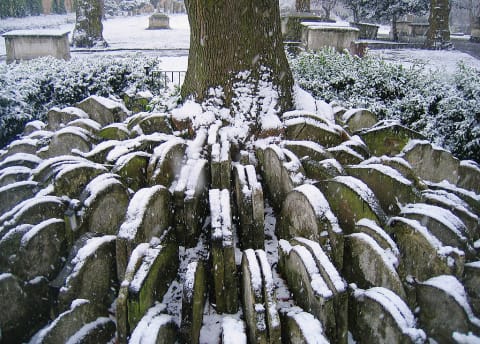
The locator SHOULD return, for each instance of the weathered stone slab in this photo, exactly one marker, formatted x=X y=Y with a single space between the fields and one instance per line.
x=165 y=162
x=115 y=131
x=101 y=330
x=158 y=21
x=469 y=176
x=304 y=128
x=444 y=308
x=414 y=241
x=372 y=229
x=137 y=102
x=378 y=315
x=132 y=168
x=324 y=169
x=42 y=250
x=431 y=163
x=282 y=172
x=65 y=140
x=249 y=201
x=351 y=200
x=92 y=275
x=233 y=331
x=221 y=165
x=155 y=327
x=308 y=287
x=358 y=119
x=193 y=301
x=223 y=252
x=252 y=298
x=100 y=152
x=88 y=124
x=9 y=245
x=47 y=169
x=471 y=198
x=301 y=327
x=158 y=268
x=32 y=211
x=399 y=164
x=156 y=123
x=11 y=195
x=149 y=215
x=306 y=213
x=33 y=126
x=345 y=155
x=15 y=307
x=58 y=118
x=389 y=186
x=368 y=265
x=14 y=174
x=190 y=198
x=447 y=227
x=22 y=145
x=309 y=149
x=71 y=179
x=68 y=323
x=103 y=110
x=20 y=159
x=471 y=281
x=105 y=194
x=387 y=138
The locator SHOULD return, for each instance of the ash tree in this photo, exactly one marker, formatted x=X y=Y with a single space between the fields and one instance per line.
x=236 y=49
x=88 y=30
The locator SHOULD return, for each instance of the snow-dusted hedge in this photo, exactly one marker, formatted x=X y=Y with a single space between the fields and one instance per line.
x=29 y=89
x=445 y=109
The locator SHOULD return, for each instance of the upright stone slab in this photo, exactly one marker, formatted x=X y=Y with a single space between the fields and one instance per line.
x=42 y=250
x=358 y=119
x=93 y=276
x=309 y=288
x=132 y=168
x=387 y=138
x=156 y=123
x=415 y=240
x=12 y=194
x=71 y=179
x=306 y=213
x=15 y=304
x=10 y=244
x=104 y=195
x=378 y=315
x=469 y=176
x=20 y=159
x=471 y=281
x=23 y=145
x=115 y=131
x=193 y=301
x=165 y=162
x=389 y=186
x=301 y=327
x=103 y=110
x=158 y=268
x=349 y=152
x=93 y=127
x=149 y=215
x=351 y=200
x=431 y=163
x=444 y=308
x=158 y=21
x=58 y=118
x=14 y=174
x=65 y=140
x=221 y=165
x=369 y=265
x=305 y=128
x=101 y=330
x=48 y=169
x=156 y=327
x=223 y=252
x=249 y=201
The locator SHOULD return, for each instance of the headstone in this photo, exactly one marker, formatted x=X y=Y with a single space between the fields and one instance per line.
x=155 y=327
x=165 y=162
x=299 y=326
x=115 y=131
x=12 y=194
x=305 y=128
x=58 y=118
x=158 y=21
x=471 y=281
x=103 y=110
x=358 y=119
x=132 y=169
x=156 y=123
x=65 y=140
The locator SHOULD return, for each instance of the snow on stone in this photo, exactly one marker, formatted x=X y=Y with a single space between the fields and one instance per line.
x=412 y=143
x=325 y=263
x=255 y=273
x=373 y=226
x=252 y=178
x=7 y=188
x=285 y=246
x=83 y=133
x=303 y=100
x=318 y=284
x=89 y=249
x=389 y=171
x=320 y=204
x=462 y=338
x=136 y=212
x=189 y=110
x=23 y=141
x=384 y=158
x=390 y=260
x=81 y=335
x=14 y=170
x=344 y=147
x=195 y=147
x=452 y=286
x=97 y=185
x=19 y=157
x=442 y=215
x=194 y=179
x=349 y=113
x=328 y=163
x=325 y=110
x=83 y=164
x=269 y=288
x=233 y=331
x=450 y=200
x=310 y=326
x=37 y=228
x=453 y=188
x=400 y=312
x=471 y=164
x=142 y=272
x=310 y=121
x=125 y=159
x=474 y=264
x=71 y=110
x=139 y=333
x=190 y=279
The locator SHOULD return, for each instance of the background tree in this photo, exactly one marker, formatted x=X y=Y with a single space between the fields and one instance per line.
x=326 y=5
x=359 y=9
x=88 y=30
x=234 y=42
x=438 y=34
x=58 y=6
x=302 y=5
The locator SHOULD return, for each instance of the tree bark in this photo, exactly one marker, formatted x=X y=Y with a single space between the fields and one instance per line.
x=438 y=34
x=88 y=30
x=394 y=29
x=302 y=5
x=230 y=40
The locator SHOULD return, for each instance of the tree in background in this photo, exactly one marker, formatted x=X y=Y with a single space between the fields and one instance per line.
x=475 y=21
x=58 y=6
x=88 y=30
x=302 y=5
x=20 y=8
x=326 y=5
x=438 y=34
x=359 y=8
x=236 y=43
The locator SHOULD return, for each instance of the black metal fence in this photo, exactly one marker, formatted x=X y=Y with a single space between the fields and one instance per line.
x=161 y=78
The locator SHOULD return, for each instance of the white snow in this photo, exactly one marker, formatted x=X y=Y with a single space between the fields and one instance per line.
x=140 y=334
x=80 y=335
x=373 y=226
x=233 y=331
x=36 y=229
x=462 y=338
x=303 y=100
x=310 y=326
x=189 y=282
x=97 y=185
x=390 y=260
x=255 y=273
x=141 y=274
x=389 y=171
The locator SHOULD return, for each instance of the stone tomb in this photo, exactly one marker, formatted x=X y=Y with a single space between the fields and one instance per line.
x=29 y=44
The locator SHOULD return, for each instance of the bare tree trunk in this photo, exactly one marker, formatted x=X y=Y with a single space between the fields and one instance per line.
x=438 y=34
x=474 y=21
x=302 y=5
x=394 y=29
x=230 y=40
x=88 y=30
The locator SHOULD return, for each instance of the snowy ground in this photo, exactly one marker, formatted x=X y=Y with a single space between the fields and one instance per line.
x=130 y=34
